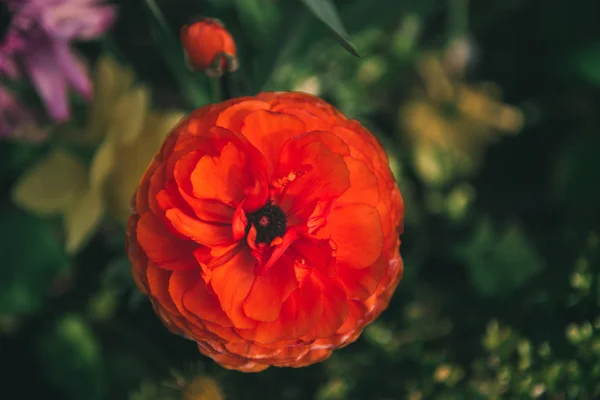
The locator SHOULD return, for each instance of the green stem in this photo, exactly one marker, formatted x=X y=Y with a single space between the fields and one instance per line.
x=215 y=89
x=172 y=53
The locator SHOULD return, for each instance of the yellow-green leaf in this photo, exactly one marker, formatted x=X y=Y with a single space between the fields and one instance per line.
x=132 y=161
x=111 y=81
x=49 y=186
x=102 y=164
x=128 y=115
x=163 y=123
x=82 y=218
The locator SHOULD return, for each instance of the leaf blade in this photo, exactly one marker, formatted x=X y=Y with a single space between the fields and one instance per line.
x=326 y=12
x=48 y=187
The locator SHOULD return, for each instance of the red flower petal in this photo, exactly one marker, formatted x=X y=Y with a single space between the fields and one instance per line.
x=223 y=178
x=253 y=350
x=205 y=233
x=268 y=131
x=356 y=230
x=314 y=173
x=314 y=356
x=161 y=247
x=315 y=254
x=361 y=283
x=243 y=174
x=270 y=290
x=200 y=302
x=232 y=282
x=356 y=314
x=179 y=283
x=299 y=313
x=210 y=210
x=331 y=141
x=335 y=308
x=223 y=333
x=158 y=285
x=232 y=118
x=364 y=187
x=289 y=354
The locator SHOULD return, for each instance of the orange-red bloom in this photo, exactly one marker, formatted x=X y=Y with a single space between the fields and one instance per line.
x=209 y=47
x=267 y=230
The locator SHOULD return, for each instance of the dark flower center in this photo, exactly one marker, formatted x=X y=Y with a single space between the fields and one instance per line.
x=5 y=18
x=269 y=221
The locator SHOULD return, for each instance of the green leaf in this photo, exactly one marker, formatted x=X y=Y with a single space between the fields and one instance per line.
x=49 y=186
x=587 y=63
x=499 y=262
x=325 y=11
x=71 y=357
x=82 y=218
x=31 y=257
x=172 y=52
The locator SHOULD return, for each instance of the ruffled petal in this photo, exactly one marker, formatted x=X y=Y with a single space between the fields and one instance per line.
x=204 y=304
x=356 y=231
x=299 y=313
x=315 y=254
x=314 y=356
x=289 y=102
x=335 y=308
x=158 y=287
x=179 y=283
x=222 y=178
x=232 y=118
x=268 y=131
x=252 y=350
x=360 y=284
x=161 y=247
x=309 y=174
x=356 y=315
x=232 y=282
x=270 y=290
x=205 y=233
x=364 y=187
x=221 y=167
x=331 y=141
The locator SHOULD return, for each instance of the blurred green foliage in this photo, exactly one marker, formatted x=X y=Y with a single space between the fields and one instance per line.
x=501 y=295
x=73 y=344
x=26 y=274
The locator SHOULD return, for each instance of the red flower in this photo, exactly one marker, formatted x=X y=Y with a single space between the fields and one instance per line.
x=267 y=230
x=209 y=47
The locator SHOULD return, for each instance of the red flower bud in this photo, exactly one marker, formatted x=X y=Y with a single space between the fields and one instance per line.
x=266 y=229
x=209 y=47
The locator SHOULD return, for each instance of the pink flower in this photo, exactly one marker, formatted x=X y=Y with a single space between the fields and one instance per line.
x=38 y=46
